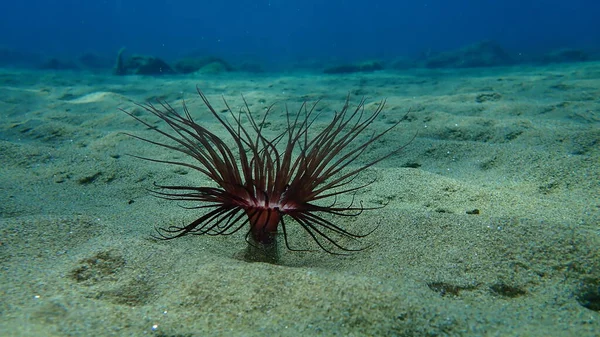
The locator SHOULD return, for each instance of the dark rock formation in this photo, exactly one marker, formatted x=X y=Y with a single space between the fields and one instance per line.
x=565 y=55
x=57 y=64
x=93 y=61
x=354 y=68
x=210 y=64
x=482 y=54
x=141 y=65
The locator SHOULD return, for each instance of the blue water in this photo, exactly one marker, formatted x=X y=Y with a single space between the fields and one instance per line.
x=280 y=32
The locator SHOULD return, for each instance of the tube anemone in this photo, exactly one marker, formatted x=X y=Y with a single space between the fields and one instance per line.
x=263 y=182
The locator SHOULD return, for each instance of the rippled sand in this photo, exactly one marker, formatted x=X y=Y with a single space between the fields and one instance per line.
x=491 y=226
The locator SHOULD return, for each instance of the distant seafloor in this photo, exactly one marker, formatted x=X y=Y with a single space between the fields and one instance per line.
x=491 y=226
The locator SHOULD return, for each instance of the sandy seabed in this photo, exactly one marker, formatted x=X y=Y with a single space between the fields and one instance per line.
x=491 y=226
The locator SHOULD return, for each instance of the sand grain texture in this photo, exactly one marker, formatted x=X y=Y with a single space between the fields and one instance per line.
x=491 y=226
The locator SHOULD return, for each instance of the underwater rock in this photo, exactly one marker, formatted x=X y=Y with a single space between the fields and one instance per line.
x=354 y=68
x=482 y=54
x=57 y=64
x=213 y=68
x=141 y=65
x=192 y=64
x=93 y=61
x=565 y=55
